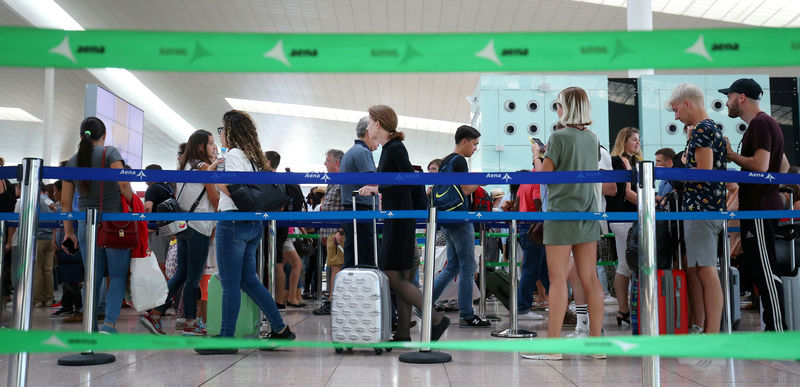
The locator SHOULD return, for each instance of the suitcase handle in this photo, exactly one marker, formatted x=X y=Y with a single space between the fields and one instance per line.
x=355 y=232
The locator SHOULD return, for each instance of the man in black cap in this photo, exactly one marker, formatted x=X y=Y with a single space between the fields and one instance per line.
x=761 y=151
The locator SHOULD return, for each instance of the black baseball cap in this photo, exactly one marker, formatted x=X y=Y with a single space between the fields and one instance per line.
x=746 y=86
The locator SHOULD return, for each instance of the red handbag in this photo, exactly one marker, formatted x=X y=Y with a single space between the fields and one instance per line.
x=115 y=235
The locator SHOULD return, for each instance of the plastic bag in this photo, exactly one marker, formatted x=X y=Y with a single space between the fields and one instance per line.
x=148 y=286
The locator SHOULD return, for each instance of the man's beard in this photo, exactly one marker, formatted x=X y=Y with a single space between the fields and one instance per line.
x=733 y=110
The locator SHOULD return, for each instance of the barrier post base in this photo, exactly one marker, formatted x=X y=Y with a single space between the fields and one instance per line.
x=515 y=334
x=425 y=357
x=86 y=359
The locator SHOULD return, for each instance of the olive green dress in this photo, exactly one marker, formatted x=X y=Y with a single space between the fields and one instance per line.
x=572 y=149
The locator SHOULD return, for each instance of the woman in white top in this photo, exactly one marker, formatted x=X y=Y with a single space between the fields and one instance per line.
x=237 y=241
x=201 y=155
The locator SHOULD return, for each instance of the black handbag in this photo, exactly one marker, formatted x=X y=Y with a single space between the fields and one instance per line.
x=304 y=247
x=258 y=197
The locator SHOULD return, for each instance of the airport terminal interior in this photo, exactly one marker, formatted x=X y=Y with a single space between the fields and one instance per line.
x=312 y=118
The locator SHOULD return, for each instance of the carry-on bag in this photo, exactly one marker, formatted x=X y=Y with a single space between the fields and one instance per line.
x=361 y=311
x=673 y=307
x=248 y=322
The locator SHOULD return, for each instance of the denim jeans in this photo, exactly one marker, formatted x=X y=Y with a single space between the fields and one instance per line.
x=460 y=262
x=237 y=242
x=192 y=256
x=117 y=262
x=534 y=267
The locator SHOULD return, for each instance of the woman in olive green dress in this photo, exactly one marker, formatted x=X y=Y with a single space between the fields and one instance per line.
x=574 y=148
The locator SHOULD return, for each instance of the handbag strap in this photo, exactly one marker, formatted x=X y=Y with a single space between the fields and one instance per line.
x=196 y=201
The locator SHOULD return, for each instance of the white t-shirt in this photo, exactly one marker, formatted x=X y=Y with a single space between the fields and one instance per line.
x=187 y=194
x=235 y=161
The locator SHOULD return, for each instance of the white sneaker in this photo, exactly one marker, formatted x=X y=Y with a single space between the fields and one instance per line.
x=696 y=330
x=579 y=333
x=610 y=300
x=542 y=356
x=529 y=315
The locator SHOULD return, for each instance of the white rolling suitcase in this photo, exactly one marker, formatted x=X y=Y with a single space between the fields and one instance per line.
x=361 y=311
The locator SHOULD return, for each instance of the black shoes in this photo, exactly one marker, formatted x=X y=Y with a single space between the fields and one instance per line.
x=324 y=309
x=216 y=351
x=473 y=322
x=286 y=334
x=438 y=330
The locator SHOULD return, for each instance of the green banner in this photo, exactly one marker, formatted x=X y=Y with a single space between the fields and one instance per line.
x=765 y=346
x=241 y=52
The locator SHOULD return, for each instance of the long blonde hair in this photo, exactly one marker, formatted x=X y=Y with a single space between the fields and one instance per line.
x=240 y=133
x=622 y=137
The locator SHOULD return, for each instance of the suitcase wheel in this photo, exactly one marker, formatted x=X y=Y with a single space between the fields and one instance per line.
x=349 y=349
x=388 y=350
x=379 y=351
x=338 y=350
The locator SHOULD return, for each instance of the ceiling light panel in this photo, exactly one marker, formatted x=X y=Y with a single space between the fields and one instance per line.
x=765 y=13
x=16 y=114
x=333 y=114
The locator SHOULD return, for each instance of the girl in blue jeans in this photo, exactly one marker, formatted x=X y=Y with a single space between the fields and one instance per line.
x=92 y=154
x=237 y=241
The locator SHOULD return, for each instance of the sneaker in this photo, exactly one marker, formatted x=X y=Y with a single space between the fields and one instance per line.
x=608 y=300
x=61 y=313
x=324 y=309
x=180 y=324
x=579 y=333
x=108 y=330
x=77 y=317
x=539 y=305
x=56 y=305
x=286 y=335
x=195 y=329
x=215 y=351
x=598 y=356
x=473 y=322
x=152 y=324
x=696 y=330
x=528 y=315
x=543 y=356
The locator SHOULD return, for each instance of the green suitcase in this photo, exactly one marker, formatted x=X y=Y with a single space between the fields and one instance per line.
x=248 y=321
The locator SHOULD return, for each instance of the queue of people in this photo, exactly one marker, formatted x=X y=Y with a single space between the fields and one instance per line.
x=564 y=258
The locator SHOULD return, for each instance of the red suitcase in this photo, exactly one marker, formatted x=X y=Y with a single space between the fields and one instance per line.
x=673 y=306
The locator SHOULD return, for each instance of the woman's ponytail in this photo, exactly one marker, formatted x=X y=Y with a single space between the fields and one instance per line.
x=92 y=129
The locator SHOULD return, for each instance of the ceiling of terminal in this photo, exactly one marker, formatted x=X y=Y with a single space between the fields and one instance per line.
x=199 y=98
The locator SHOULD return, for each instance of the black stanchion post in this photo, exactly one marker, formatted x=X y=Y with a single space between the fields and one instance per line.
x=89 y=319
x=320 y=244
x=272 y=254
x=2 y=262
x=482 y=279
x=28 y=223
x=513 y=331
x=648 y=301
x=425 y=355
x=260 y=257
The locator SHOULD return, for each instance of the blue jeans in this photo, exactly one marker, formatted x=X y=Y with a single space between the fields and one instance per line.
x=237 y=242
x=460 y=262
x=117 y=262
x=534 y=267
x=192 y=257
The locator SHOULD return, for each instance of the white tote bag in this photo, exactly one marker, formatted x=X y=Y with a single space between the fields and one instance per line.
x=148 y=286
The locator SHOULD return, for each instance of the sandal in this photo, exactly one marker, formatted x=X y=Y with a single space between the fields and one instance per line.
x=623 y=317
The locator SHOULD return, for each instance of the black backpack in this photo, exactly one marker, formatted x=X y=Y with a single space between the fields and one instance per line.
x=297 y=201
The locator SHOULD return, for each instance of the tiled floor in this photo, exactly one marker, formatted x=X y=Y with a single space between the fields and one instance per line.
x=322 y=367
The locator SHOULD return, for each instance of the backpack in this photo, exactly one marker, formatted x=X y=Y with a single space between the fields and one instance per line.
x=297 y=201
x=481 y=201
x=447 y=197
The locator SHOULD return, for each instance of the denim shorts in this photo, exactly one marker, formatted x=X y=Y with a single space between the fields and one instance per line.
x=702 y=241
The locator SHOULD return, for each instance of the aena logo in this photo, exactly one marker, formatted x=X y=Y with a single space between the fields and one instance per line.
x=91 y=49
x=725 y=47
x=304 y=52
x=312 y=176
x=127 y=172
x=494 y=175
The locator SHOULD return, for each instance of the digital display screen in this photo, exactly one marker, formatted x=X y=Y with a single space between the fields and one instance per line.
x=124 y=122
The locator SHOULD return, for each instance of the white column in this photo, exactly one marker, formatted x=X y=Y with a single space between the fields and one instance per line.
x=640 y=18
x=49 y=90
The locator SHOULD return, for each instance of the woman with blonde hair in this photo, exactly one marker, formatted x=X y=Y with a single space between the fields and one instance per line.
x=627 y=151
x=574 y=148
